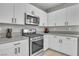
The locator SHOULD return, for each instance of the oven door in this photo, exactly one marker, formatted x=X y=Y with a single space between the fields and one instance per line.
x=36 y=47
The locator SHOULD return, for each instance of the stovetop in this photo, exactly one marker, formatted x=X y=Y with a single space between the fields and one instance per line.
x=32 y=35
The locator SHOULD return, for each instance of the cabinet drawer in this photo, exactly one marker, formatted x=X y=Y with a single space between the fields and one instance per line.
x=6 y=45
x=11 y=44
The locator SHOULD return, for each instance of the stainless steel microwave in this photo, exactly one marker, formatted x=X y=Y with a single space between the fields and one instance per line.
x=31 y=19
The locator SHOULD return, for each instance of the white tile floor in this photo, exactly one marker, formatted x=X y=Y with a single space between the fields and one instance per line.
x=50 y=52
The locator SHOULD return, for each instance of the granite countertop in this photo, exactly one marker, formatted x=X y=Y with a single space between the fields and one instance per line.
x=61 y=34
x=16 y=38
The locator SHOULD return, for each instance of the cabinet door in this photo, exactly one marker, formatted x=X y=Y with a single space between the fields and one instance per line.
x=46 y=39
x=73 y=15
x=54 y=42
x=19 y=13
x=7 y=49
x=43 y=18
x=6 y=13
x=51 y=19
x=60 y=17
x=69 y=46
x=22 y=48
x=57 y=18
x=7 y=52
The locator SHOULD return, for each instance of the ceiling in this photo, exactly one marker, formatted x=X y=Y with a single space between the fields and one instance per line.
x=45 y=6
x=48 y=7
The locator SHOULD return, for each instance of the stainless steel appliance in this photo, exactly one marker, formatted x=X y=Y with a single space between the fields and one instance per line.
x=36 y=45
x=31 y=19
x=35 y=42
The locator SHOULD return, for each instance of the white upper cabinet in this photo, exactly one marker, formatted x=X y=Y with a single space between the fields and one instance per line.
x=6 y=13
x=60 y=17
x=57 y=18
x=43 y=18
x=51 y=19
x=66 y=16
x=12 y=13
x=37 y=12
x=73 y=15
x=19 y=13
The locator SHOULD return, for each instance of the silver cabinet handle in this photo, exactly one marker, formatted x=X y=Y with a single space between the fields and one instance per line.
x=60 y=41
x=15 y=20
x=17 y=43
x=68 y=38
x=18 y=49
x=12 y=20
x=25 y=18
x=54 y=24
x=66 y=23
x=15 y=50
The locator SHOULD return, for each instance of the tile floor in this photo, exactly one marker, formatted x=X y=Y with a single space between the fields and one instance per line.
x=50 y=52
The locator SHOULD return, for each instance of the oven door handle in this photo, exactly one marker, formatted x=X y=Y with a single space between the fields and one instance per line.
x=36 y=40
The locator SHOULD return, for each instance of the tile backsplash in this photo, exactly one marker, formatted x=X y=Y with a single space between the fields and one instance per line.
x=17 y=29
x=65 y=28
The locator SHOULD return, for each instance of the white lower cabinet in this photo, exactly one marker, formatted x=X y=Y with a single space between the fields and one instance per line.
x=46 y=38
x=53 y=42
x=7 y=51
x=69 y=45
x=19 y=48
x=66 y=45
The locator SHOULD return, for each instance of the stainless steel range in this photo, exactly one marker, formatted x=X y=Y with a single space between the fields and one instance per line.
x=35 y=42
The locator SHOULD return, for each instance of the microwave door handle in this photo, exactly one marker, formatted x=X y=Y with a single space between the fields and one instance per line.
x=25 y=18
